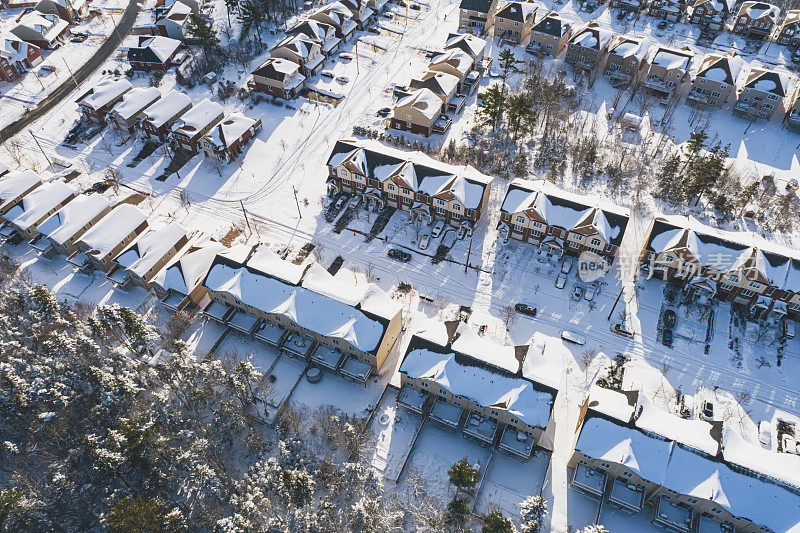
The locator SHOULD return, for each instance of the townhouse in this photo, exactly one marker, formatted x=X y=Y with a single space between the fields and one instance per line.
x=629 y=6
x=15 y=185
x=279 y=77
x=227 y=139
x=514 y=20
x=711 y=14
x=588 y=46
x=626 y=57
x=146 y=256
x=98 y=247
x=154 y=53
x=441 y=84
x=741 y=267
x=64 y=9
x=98 y=101
x=23 y=218
x=473 y=46
x=550 y=34
x=126 y=115
x=61 y=231
x=789 y=33
x=174 y=24
x=668 y=71
x=193 y=125
x=559 y=222
x=756 y=20
x=179 y=284
x=336 y=14
x=792 y=117
x=456 y=63
x=471 y=385
x=763 y=93
x=715 y=81
x=158 y=119
x=671 y=10
x=410 y=181
x=687 y=489
x=17 y=57
x=45 y=31
x=301 y=50
x=419 y=112
x=319 y=32
x=260 y=295
x=476 y=16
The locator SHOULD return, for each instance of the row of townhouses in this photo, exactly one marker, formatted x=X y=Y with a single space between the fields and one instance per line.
x=169 y=118
x=451 y=75
x=301 y=54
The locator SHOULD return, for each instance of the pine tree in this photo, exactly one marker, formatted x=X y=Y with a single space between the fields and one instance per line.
x=463 y=475
x=533 y=511
x=457 y=514
x=520 y=112
x=492 y=107
x=508 y=66
x=253 y=17
x=200 y=28
x=136 y=513
x=495 y=522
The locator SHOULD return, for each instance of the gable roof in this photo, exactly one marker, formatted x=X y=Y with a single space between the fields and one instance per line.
x=156 y=49
x=517 y=11
x=277 y=68
x=770 y=81
x=71 y=219
x=481 y=6
x=135 y=100
x=722 y=68
x=165 y=109
x=198 y=118
x=470 y=44
x=552 y=24
x=105 y=92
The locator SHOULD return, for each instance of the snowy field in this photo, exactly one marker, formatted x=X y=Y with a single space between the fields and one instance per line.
x=509 y=480
x=394 y=429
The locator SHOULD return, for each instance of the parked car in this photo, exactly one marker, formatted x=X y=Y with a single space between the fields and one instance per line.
x=340 y=202
x=344 y=80
x=574 y=338
x=561 y=281
x=707 y=411
x=424 y=241
x=346 y=56
x=789 y=445
x=525 y=309
x=577 y=293
x=78 y=37
x=383 y=112
x=387 y=15
x=670 y=318
x=620 y=330
x=666 y=338
x=415 y=7
x=796 y=56
x=590 y=292
x=400 y=255
x=373 y=29
x=788 y=328
x=661 y=25
x=621 y=15
x=566 y=265
x=764 y=432
x=328 y=74
x=437 y=228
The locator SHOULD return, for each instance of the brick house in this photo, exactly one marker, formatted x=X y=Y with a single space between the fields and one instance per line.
x=756 y=20
x=668 y=70
x=25 y=216
x=144 y=258
x=514 y=20
x=153 y=53
x=17 y=57
x=98 y=101
x=559 y=222
x=671 y=10
x=278 y=77
x=193 y=125
x=226 y=140
x=588 y=46
x=61 y=231
x=471 y=45
x=715 y=82
x=125 y=116
x=710 y=13
x=476 y=16
x=626 y=57
x=301 y=50
x=409 y=181
x=15 y=185
x=319 y=32
x=45 y=31
x=763 y=93
x=419 y=112
x=98 y=247
x=789 y=33
x=157 y=120
x=550 y=34
x=64 y=9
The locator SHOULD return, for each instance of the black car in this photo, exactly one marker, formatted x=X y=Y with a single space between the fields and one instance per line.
x=415 y=6
x=663 y=24
x=621 y=15
x=525 y=309
x=669 y=318
x=384 y=112
x=400 y=255
x=666 y=338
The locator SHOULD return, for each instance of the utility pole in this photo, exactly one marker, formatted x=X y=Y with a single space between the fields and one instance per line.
x=297 y=202
x=245 y=217
x=70 y=73
x=469 y=252
x=358 y=72
x=615 y=303
x=40 y=148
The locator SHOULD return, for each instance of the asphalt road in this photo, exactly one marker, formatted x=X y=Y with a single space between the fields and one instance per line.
x=80 y=74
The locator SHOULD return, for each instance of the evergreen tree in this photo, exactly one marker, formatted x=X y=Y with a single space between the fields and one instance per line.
x=594 y=528
x=463 y=475
x=495 y=522
x=134 y=514
x=533 y=511
x=492 y=107
x=508 y=65
x=253 y=17
x=520 y=112
x=201 y=28
x=457 y=514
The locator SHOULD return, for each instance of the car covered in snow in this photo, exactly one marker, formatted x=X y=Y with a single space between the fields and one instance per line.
x=561 y=281
x=765 y=432
x=566 y=265
x=424 y=241
x=620 y=330
x=328 y=74
x=590 y=292
x=577 y=293
x=399 y=255
x=437 y=228
x=707 y=411
x=574 y=338
x=666 y=338
x=670 y=318
x=343 y=80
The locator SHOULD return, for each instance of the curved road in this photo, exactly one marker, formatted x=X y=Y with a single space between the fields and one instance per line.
x=80 y=75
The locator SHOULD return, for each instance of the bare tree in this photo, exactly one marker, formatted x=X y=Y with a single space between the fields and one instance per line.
x=508 y=314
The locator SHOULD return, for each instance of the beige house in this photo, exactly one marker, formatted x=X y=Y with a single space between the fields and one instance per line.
x=550 y=34
x=626 y=57
x=301 y=50
x=668 y=71
x=61 y=231
x=789 y=33
x=588 y=46
x=98 y=247
x=793 y=112
x=278 y=77
x=476 y=16
x=443 y=85
x=756 y=20
x=715 y=82
x=31 y=210
x=15 y=185
x=420 y=112
x=763 y=93
x=454 y=62
x=143 y=259
x=710 y=13
x=514 y=20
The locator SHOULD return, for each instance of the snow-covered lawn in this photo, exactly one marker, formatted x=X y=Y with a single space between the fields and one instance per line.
x=287 y=372
x=245 y=347
x=582 y=510
x=616 y=520
x=333 y=389
x=393 y=429
x=510 y=480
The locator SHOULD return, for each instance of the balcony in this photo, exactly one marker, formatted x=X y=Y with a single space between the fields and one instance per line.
x=218 y=311
x=327 y=357
x=589 y=480
x=297 y=345
x=794 y=117
x=241 y=321
x=412 y=399
x=516 y=442
x=626 y=495
x=355 y=369
x=446 y=414
x=698 y=97
x=173 y=300
x=659 y=85
x=481 y=428
x=749 y=108
x=674 y=516
x=269 y=333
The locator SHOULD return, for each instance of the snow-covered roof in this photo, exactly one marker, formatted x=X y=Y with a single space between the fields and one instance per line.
x=112 y=229
x=423 y=100
x=484 y=387
x=695 y=433
x=166 y=108
x=672 y=58
x=768 y=81
x=14 y=49
x=313 y=311
x=545 y=360
x=299 y=44
x=71 y=218
x=36 y=204
x=199 y=117
x=185 y=272
x=318 y=279
x=468 y=342
x=517 y=11
x=105 y=92
x=378 y=302
x=279 y=69
x=442 y=84
x=47 y=25
x=592 y=36
x=630 y=47
x=455 y=57
x=265 y=260
x=784 y=467
x=135 y=100
x=721 y=68
x=757 y=10
x=552 y=24
x=162 y=47
x=234 y=126
x=610 y=403
x=467 y=42
x=151 y=248
x=178 y=12
x=14 y=184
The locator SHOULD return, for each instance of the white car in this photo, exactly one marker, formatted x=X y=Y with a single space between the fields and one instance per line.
x=424 y=241
x=764 y=432
x=437 y=228
x=789 y=444
x=569 y=336
x=327 y=74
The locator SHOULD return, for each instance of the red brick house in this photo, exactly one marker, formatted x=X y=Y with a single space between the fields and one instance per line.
x=195 y=123
x=756 y=19
x=157 y=120
x=98 y=101
x=153 y=53
x=16 y=57
x=226 y=139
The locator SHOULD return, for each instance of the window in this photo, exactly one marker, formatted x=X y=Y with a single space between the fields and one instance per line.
x=574 y=245
x=691 y=500
x=456 y=207
x=605 y=465
x=392 y=196
x=440 y=211
x=390 y=187
x=537 y=224
x=627 y=474
x=405 y=191
x=518 y=228
x=747 y=293
x=440 y=201
x=408 y=117
x=343 y=172
x=733 y=278
x=754 y=285
x=595 y=242
x=715 y=94
x=521 y=219
x=726 y=286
